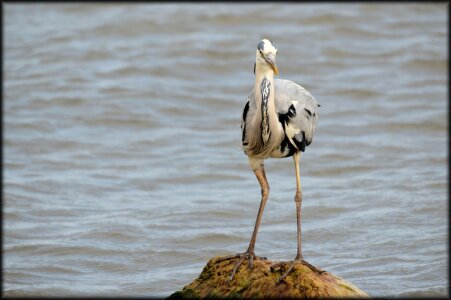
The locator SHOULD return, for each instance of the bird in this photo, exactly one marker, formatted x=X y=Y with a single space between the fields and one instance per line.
x=278 y=120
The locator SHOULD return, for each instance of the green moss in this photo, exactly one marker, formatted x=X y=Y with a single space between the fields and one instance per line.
x=261 y=282
x=346 y=287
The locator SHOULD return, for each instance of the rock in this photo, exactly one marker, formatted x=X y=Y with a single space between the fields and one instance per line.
x=261 y=282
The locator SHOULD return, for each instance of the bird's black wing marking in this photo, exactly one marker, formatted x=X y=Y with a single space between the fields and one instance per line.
x=300 y=141
x=286 y=143
x=284 y=119
x=246 y=109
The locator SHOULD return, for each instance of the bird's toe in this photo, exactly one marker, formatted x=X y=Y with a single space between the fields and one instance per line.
x=248 y=255
x=293 y=263
x=312 y=267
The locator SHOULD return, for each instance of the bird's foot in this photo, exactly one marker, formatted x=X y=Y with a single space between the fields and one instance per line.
x=294 y=262
x=249 y=255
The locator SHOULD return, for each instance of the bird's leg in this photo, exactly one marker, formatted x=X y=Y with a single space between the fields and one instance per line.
x=298 y=200
x=249 y=254
x=261 y=177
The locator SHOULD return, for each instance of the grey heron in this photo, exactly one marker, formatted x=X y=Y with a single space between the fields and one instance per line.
x=278 y=120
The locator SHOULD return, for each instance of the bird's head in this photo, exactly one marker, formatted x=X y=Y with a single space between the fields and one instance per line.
x=266 y=55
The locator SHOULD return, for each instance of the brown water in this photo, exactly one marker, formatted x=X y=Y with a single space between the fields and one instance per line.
x=123 y=172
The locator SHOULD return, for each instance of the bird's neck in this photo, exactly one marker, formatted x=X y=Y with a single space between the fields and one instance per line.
x=264 y=96
x=264 y=77
x=264 y=90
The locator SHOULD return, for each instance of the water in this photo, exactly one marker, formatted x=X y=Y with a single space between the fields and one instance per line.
x=123 y=172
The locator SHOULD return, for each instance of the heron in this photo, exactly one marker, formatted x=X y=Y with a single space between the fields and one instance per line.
x=278 y=121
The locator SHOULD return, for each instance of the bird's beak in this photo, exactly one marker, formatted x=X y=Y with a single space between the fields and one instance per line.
x=274 y=67
x=271 y=59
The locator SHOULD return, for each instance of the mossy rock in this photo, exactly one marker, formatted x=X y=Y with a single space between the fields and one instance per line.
x=262 y=282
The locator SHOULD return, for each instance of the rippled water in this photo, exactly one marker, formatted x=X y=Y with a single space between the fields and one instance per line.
x=123 y=172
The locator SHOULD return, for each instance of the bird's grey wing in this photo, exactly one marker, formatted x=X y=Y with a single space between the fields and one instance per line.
x=298 y=112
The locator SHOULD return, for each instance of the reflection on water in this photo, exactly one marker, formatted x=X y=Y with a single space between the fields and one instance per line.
x=123 y=172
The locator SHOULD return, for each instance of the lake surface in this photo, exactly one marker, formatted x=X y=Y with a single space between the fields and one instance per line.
x=122 y=167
